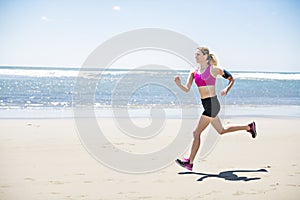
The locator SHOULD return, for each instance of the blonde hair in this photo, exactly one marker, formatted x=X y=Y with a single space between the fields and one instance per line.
x=211 y=58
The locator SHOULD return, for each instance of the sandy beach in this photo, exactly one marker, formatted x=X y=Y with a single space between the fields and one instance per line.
x=44 y=159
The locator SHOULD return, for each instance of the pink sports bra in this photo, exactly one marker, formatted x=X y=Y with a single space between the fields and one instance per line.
x=205 y=78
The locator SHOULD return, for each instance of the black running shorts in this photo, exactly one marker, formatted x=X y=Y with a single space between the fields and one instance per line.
x=211 y=106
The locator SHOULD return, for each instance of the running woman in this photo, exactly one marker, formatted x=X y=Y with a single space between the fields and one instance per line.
x=205 y=79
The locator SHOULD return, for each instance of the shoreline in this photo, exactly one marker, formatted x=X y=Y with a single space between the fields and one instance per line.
x=228 y=111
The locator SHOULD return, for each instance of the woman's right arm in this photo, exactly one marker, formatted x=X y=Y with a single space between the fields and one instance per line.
x=189 y=82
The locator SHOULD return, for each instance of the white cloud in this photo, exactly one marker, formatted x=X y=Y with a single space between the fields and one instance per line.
x=46 y=19
x=116 y=8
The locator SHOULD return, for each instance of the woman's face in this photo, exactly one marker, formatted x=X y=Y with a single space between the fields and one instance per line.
x=200 y=57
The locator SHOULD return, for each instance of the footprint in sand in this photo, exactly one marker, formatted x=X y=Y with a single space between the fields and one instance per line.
x=239 y=193
x=29 y=179
x=5 y=186
x=33 y=125
x=87 y=181
x=108 y=180
x=292 y=185
x=80 y=174
x=145 y=197
x=57 y=182
x=55 y=192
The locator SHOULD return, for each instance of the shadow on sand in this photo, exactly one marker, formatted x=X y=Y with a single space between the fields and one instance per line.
x=227 y=175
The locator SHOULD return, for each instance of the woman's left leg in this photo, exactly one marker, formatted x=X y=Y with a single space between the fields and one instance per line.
x=203 y=123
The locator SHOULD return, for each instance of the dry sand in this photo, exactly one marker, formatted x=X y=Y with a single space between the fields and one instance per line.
x=44 y=159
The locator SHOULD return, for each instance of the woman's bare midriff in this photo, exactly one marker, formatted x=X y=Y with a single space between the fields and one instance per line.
x=207 y=91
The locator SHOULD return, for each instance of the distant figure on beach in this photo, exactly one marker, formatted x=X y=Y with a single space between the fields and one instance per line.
x=205 y=79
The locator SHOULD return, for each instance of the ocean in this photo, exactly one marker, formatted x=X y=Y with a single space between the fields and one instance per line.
x=51 y=92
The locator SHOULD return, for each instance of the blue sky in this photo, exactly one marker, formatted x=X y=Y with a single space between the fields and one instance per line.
x=255 y=35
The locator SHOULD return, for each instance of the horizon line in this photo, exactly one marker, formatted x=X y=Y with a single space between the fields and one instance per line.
x=120 y=68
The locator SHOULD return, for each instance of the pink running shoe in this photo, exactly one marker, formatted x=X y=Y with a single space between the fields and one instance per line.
x=252 y=129
x=185 y=164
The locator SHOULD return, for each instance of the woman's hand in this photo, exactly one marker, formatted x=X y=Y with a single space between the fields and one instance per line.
x=177 y=80
x=187 y=87
x=223 y=92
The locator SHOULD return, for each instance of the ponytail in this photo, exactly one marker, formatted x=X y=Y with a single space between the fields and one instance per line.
x=212 y=59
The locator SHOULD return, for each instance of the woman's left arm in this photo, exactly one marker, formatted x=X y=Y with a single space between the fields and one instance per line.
x=227 y=75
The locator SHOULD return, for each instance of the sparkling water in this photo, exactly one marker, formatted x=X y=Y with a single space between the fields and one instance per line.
x=35 y=90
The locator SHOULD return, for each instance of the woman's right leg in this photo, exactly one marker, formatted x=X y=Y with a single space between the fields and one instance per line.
x=203 y=123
